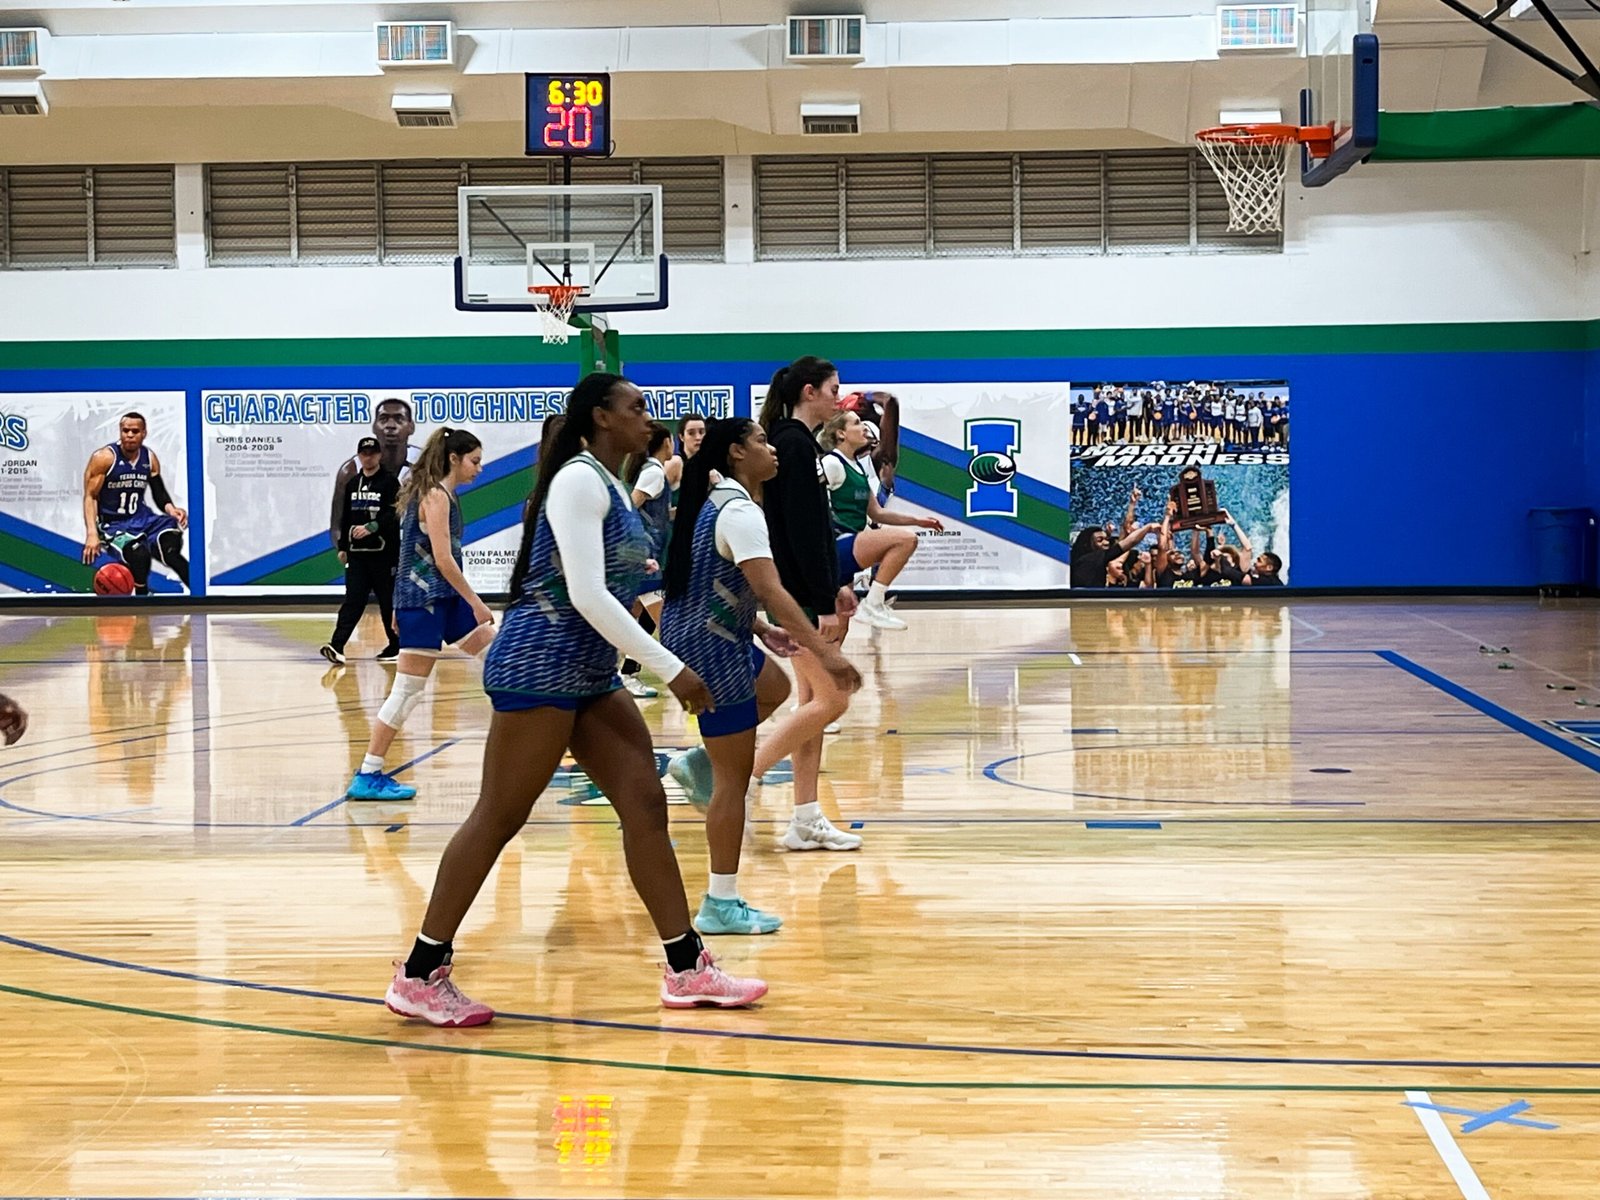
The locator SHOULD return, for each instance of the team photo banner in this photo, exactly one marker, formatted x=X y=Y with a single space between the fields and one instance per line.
x=46 y=442
x=1216 y=449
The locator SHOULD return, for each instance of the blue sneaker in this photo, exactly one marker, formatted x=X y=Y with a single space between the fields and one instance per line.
x=734 y=916
x=692 y=772
x=375 y=785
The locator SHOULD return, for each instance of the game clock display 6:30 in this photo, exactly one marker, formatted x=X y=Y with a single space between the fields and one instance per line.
x=569 y=115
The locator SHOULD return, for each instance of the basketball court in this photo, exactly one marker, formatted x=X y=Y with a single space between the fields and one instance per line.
x=1188 y=900
x=1232 y=894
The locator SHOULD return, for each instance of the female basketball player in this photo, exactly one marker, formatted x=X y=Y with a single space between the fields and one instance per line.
x=801 y=398
x=720 y=566
x=653 y=478
x=434 y=604
x=854 y=506
x=552 y=679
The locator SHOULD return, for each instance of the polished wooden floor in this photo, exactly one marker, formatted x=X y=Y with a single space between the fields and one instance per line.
x=1156 y=901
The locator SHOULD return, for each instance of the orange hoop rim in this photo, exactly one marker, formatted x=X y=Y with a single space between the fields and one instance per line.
x=1317 y=138
x=556 y=292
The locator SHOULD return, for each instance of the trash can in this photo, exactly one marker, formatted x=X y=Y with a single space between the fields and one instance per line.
x=1561 y=541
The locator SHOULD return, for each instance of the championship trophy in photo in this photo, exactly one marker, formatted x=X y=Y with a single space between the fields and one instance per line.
x=1196 y=498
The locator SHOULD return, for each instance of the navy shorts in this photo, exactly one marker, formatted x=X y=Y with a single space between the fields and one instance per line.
x=443 y=623
x=143 y=525
x=523 y=701
x=735 y=718
x=848 y=567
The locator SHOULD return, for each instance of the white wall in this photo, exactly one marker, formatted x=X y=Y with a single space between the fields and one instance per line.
x=1414 y=243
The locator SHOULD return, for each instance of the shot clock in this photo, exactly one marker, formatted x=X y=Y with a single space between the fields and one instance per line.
x=569 y=116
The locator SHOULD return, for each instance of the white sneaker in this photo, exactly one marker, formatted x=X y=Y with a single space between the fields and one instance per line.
x=879 y=616
x=818 y=835
x=638 y=687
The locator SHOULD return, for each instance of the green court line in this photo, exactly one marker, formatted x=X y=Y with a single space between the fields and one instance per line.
x=964 y=1085
x=769 y=348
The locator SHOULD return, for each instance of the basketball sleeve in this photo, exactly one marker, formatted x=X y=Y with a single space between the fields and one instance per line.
x=742 y=532
x=833 y=472
x=576 y=511
x=652 y=479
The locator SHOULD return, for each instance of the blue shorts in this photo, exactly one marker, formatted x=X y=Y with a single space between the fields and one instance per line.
x=848 y=567
x=443 y=623
x=523 y=701
x=735 y=718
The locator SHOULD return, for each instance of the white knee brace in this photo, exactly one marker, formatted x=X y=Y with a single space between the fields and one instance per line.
x=407 y=694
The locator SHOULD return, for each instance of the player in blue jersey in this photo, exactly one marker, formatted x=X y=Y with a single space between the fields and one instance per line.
x=653 y=478
x=434 y=605
x=551 y=676
x=719 y=570
x=115 y=514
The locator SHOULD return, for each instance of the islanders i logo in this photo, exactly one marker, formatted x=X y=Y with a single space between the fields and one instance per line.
x=993 y=443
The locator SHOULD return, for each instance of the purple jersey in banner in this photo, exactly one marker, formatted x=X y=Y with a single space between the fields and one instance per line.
x=122 y=509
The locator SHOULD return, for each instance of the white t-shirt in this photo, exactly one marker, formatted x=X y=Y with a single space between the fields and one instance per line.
x=652 y=479
x=742 y=527
x=576 y=508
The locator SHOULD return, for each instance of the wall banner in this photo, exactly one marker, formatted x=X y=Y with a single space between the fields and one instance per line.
x=46 y=441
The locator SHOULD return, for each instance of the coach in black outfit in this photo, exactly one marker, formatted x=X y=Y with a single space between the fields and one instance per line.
x=368 y=538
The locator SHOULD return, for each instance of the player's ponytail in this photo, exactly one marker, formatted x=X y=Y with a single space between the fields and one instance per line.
x=659 y=436
x=713 y=455
x=593 y=392
x=433 y=464
x=787 y=385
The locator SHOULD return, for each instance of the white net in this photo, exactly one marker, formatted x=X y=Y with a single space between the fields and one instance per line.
x=1252 y=175
x=556 y=313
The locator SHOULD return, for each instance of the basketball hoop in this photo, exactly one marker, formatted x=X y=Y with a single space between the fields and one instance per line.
x=1252 y=163
x=556 y=311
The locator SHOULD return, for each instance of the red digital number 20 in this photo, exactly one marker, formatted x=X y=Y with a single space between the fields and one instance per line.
x=563 y=132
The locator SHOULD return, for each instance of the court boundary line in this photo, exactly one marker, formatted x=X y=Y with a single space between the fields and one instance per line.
x=1461 y=1172
x=1492 y=710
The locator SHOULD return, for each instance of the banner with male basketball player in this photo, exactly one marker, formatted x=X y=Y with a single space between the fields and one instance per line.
x=985 y=459
x=46 y=442
x=1180 y=484
x=273 y=460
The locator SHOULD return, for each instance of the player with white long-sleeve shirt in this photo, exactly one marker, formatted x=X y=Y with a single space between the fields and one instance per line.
x=552 y=679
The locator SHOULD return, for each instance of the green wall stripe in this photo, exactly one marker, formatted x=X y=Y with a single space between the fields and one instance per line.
x=952 y=483
x=1528 y=131
x=44 y=564
x=779 y=347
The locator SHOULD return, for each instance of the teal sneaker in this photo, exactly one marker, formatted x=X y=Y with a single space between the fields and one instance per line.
x=375 y=785
x=692 y=772
x=734 y=916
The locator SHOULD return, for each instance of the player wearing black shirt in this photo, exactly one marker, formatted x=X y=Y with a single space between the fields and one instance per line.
x=368 y=539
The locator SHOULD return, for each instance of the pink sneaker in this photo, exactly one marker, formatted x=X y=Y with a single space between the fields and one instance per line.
x=708 y=984
x=435 y=999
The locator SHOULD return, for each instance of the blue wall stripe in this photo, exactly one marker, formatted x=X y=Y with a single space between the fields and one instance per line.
x=1035 y=489
x=1490 y=709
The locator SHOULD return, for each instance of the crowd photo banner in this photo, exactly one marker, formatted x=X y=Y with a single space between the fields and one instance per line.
x=273 y=461
x=986 y=460
x=46 y=442
x=1215 y=451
